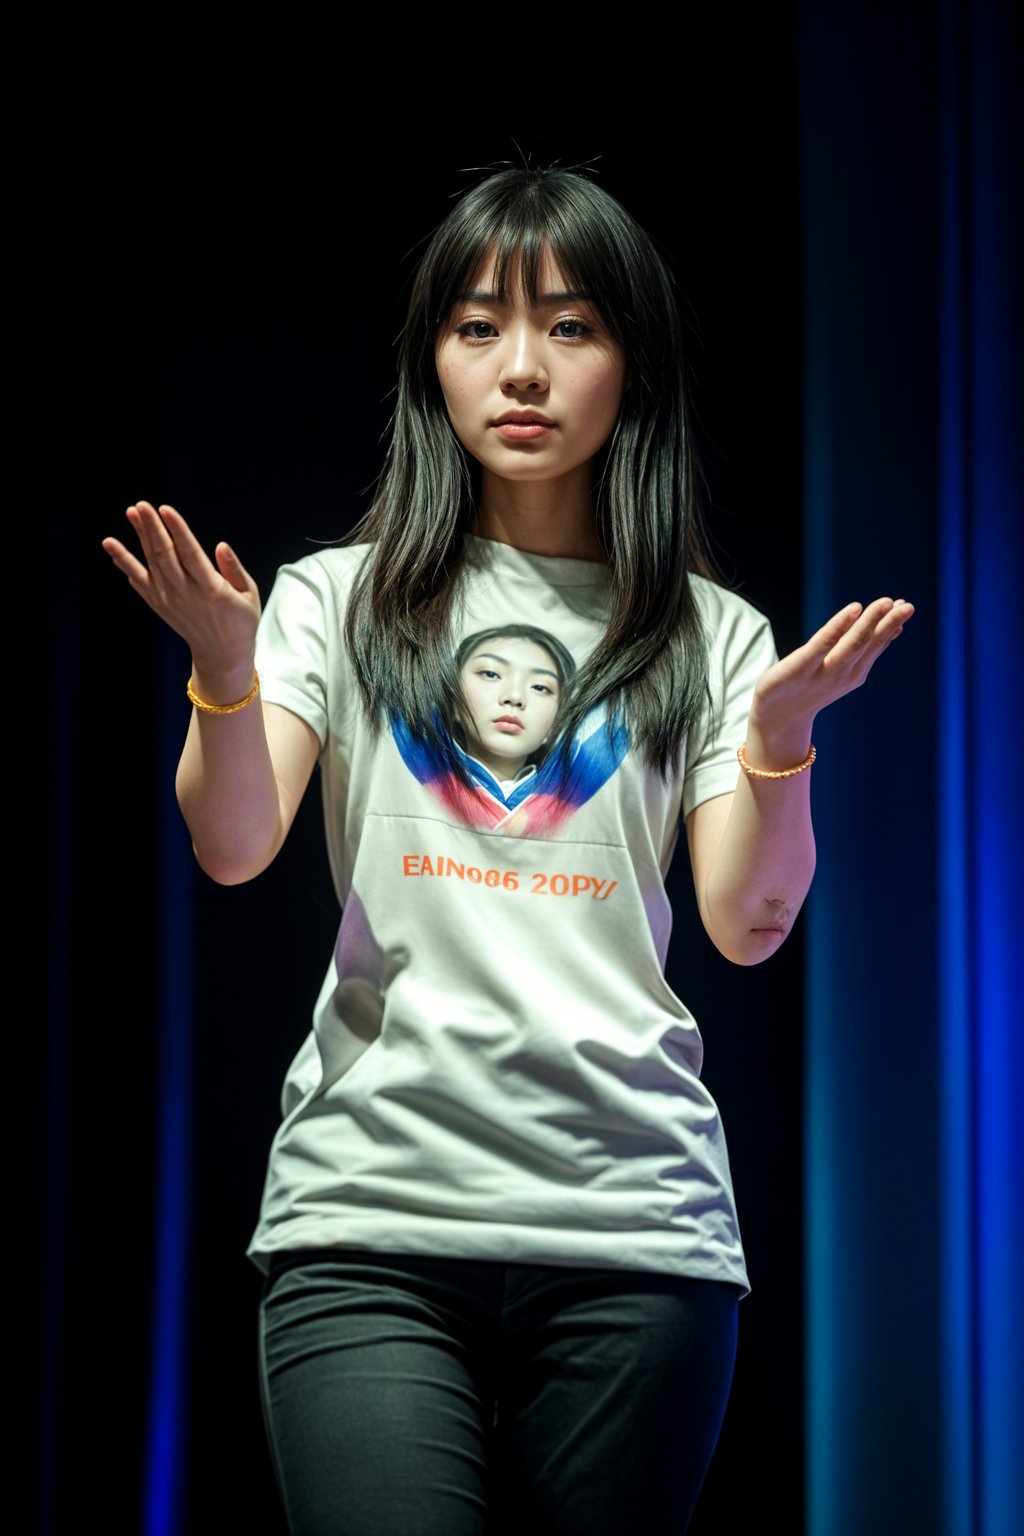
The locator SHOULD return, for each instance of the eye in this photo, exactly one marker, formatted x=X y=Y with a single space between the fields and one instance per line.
x=487 y=674
x=476 y=330
x=542 y=688
x=571 y=329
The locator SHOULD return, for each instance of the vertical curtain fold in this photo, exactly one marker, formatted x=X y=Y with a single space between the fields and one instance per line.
x=910 y=177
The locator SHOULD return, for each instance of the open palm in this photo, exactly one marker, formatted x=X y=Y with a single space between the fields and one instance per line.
x=833 y=662
x=213 y=605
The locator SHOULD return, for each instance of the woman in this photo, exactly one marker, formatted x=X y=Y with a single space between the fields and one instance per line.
x=502 y=1256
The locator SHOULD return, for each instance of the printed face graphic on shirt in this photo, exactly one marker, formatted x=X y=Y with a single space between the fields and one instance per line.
x=510 y=690
x=513 y=680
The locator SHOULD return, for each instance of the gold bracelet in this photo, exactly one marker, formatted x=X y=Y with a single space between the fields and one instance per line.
x=773 y=773
x=223 y=709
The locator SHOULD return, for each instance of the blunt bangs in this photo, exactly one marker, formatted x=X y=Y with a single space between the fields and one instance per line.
x=517 y=216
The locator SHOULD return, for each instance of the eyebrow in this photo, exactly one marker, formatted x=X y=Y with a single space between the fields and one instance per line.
x=485 y=296
x=490 y=656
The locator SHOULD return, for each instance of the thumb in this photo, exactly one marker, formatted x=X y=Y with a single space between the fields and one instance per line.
x=232 y=569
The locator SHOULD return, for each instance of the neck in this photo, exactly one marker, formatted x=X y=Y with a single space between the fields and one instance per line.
x=549 y=517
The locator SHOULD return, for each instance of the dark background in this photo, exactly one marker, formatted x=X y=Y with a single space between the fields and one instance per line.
x=224 y=271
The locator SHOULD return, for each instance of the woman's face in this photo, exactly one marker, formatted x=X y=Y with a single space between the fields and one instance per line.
x=510 y=692
x=533 y=391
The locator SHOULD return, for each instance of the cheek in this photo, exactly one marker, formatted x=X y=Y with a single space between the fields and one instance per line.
x=472 y=696
x=547 y=716
x=601 y=393
x=458 y=371
x=448 y=378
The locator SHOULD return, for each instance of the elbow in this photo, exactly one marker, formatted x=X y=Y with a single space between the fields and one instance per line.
x=751 y=947
x=225 y=870
x=750 y=939
x=218 y=876
x=230 y=853
x=227 y=876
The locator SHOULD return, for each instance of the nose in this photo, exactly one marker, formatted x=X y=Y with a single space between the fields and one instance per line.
x=522 y=364
x=512 y=694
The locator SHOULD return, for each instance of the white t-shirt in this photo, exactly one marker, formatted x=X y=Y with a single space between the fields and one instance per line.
x=497 y=1068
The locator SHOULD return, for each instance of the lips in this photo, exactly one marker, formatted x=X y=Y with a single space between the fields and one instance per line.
x=509 y=723
x=524 y=428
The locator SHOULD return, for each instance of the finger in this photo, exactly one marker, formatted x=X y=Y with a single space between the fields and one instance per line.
x=892 y=624
x=125 y=561
x=157 y=546
x=902 y=611
x=833 y=631
x=883 y=620
x=232 y=569
x=192 y=557
x=874 y=620
x=137 y=575
x=140 y=574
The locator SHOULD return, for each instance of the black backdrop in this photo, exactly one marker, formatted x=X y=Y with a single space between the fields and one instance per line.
x=223 y=286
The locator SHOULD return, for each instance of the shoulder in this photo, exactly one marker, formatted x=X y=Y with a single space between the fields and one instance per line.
x=325 y=576
x=732 y=624
x=723 y=610
x=301 y=654
x=304 y=614
x=337 y=565
x=741 y=645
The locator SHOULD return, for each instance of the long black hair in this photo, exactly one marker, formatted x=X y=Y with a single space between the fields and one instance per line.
x=652 y=659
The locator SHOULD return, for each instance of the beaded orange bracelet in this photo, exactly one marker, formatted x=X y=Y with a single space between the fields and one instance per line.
x=223 y=709
x=773 y=773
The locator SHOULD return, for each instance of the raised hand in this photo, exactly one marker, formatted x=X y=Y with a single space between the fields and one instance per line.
x=833 y=662
x=215 y=608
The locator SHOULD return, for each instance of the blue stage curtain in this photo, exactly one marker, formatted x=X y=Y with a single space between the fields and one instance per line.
x=166 y=1452
x=910 y=175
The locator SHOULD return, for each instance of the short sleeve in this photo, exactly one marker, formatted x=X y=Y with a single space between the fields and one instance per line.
x=292 y=645
x=741 y=649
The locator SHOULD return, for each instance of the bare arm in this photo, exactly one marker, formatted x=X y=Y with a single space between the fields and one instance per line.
x=752 y=851
x=241 y=776
x=240 y=781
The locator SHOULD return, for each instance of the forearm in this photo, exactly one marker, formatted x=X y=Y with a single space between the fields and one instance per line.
x=226 y=785
x=764 y=863
x=753 y=875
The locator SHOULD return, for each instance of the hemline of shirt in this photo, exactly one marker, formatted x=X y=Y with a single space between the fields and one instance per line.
x=646 y=1251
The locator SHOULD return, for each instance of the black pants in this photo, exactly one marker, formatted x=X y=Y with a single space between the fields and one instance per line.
x=446 y=1397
